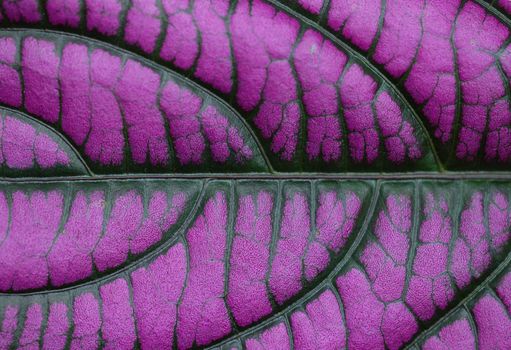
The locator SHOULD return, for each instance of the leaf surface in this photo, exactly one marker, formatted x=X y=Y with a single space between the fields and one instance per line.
x=255 y=174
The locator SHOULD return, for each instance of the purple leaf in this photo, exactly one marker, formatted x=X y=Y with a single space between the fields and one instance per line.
x=259 y=174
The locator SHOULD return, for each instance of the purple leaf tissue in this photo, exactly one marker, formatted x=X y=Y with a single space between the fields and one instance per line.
x=255 y=174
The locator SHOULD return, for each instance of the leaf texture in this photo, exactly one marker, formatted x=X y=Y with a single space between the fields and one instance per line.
x=255 y=174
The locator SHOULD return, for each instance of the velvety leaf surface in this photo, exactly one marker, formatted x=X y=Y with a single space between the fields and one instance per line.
x=255 y=174
x=27 y=148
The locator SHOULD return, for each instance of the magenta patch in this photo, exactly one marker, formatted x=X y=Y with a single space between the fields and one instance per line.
x=320 y=95
x=75 y=85
x=34 y=220
x=357 y=91
x=492 y=323
x=22 y=11
x=163 y=213
x=335 y=220
x=77 y=240
x=285 y=278
x=24 y=148
x=248 y=298
x=64 y=12
x=472 y=250
x=146 y=133
x=31 y=328
x=106 y=141
x=103 y=15
x=194 y=131
x=275 y=337
x=55 y=336
x=457 y=336
x=430 y=286
x=143 y=25
x=87 y=322
x=214 y=65
x=401 y=24
x=10 y=84
x=156 y=292
x=40 y=74
x=356 y=21
x=313 y=6
x=363 y=310
x=117 y=328
x=320 y=325
x=206 y=240
x=126 y=216
x=9 y=326
x=400 y=141
x=180 y=45
x=432 y=82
